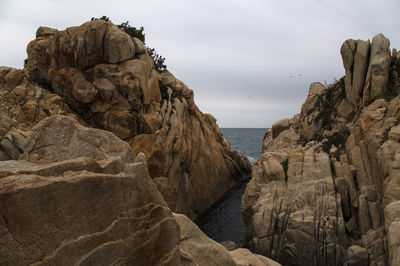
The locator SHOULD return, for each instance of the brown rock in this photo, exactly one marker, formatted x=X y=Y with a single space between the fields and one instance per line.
x=139 y=46
x=197 y=247
x=378 y=69
x=358 y=256
x=243 y=257
x=108 y=78
x=279 y=126
x=45 y=31
x=54 y=210
x=359 y=72
x=118 y=46
x=338 y=196
x=348 y=51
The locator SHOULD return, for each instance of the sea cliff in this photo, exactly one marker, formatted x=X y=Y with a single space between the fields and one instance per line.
x=97 y=148
x=326 y=189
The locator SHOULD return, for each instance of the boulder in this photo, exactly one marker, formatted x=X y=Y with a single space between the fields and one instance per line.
x=118 y=46
x=45 y=31
x=197 y=248
x=81 y=197
x=279 y=126
x=357 y=255
x=243 y=257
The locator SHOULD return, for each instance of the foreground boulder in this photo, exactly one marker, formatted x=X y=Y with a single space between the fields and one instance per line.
x=325 y=190
x=107 y=78
x=197 y=249
x=79 y=196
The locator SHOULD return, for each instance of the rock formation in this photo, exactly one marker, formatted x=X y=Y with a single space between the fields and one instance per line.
x=90 y=134
x=197 y=249
x=107 y=79
x=79 y=196
x=326 y=189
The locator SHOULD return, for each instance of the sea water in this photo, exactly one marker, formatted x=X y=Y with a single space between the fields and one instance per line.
x=224 y=222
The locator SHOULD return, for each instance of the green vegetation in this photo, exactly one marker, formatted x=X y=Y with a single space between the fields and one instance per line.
x=158 y=60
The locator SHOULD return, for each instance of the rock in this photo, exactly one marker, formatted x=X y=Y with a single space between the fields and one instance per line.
x=45 y=31
x=345 y=109
x=139 y=46
x=197 y=247
x=13 y=79
x=378 y=69
x=108 y=79
x=358 y=256
x=54 y=210
x=348 y=51
x=72 y=82
x=62 y=138
x=337 y=173
x=230 y=245
x=309 y=125
x=243 y=257
x=24 y=104
x=278 y=212
x=359 y=72
x=118 y=46
x=279 y=126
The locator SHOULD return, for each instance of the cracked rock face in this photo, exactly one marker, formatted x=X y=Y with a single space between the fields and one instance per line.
x=90 y=202
x=108 y=81
x=326 y=189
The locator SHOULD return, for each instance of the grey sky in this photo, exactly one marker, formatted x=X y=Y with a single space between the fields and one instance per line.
x=237 y=56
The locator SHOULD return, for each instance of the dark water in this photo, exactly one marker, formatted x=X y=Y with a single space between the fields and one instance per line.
x=224 y=222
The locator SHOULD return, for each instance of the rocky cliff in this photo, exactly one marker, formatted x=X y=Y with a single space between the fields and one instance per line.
x=79 y=196
x=326 y=190
x=90 y=134
x=107 y=79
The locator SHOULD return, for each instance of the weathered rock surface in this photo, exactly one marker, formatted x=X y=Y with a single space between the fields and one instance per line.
x=78 y=196
x=326 y=190
x=197 y=249
x=244 y=257
x=280 y=126
x=108 y=80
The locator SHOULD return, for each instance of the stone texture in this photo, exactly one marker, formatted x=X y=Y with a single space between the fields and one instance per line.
x=197 y=248
x=279 y=126
x=109 y=80
x=243 y=257
x=91 y=203
x=358 y=256
x=359 y=72
x=45 y=31
x=308 y=124
x=378 y=69
x=348 y=51
x=326 y=190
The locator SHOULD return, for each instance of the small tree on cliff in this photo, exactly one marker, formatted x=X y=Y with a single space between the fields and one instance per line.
x=158 y=60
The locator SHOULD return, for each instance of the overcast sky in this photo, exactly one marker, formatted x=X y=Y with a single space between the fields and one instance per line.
x=250 y=63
